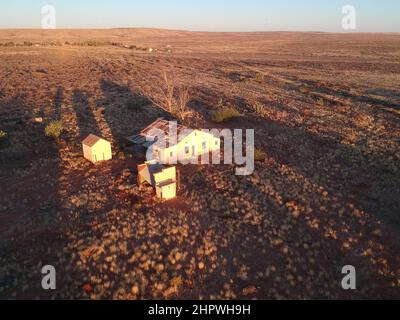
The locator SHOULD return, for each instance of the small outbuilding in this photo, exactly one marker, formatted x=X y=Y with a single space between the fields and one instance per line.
x=96 y=149
x=163 y=179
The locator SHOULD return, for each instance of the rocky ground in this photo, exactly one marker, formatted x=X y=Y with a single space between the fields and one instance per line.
x=327 y=194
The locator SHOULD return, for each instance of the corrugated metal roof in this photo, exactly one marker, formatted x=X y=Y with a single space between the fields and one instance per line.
x=162 y=125
x=137 y=139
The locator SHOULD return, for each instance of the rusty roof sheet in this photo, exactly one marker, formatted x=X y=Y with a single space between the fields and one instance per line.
x=162 y=125
x=91 y=140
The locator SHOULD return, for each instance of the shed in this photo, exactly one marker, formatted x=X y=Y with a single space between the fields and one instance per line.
x=162 y=178
x=96 y=149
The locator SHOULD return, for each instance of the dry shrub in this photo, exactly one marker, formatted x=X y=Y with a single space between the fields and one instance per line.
x=3 y=138
x=54 y=129
x=258 y=108
x=259 y=77
x=225 y=114
x=259 y=155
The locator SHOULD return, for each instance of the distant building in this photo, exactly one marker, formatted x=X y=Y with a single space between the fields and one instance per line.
x=96 y=149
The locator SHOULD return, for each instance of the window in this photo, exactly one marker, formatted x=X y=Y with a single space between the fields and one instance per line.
x=216 y=142
x=171 y=154
x=204 y=145
x=187 y=150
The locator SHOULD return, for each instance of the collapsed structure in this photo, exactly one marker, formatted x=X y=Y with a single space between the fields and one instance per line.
x=163 y=179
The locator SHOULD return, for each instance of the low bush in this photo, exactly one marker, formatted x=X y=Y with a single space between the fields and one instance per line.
x=225 y=114
x=54 y=129
x=258 y=108
x=259 y=155
x=259 y=77
x=3 y=139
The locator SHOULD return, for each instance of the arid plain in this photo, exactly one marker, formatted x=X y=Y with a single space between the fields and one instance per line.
x=325 y=194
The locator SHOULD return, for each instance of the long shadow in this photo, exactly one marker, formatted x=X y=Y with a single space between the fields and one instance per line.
x=30 y=172
x=364 y=184
x=86 y=120
x=369 y=179
x=300 y=248
x=385 y=93
x=319 y=240
x=356 y=98
x=126 y=111
x=58 y=100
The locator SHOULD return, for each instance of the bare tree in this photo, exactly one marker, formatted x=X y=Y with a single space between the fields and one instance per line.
x=183 y=98
x=168 y=91
x=164 y=93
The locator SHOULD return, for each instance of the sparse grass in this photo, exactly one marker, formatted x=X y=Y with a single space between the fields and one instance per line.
x=259 y=77
x=4 y=142
x=225 y=114
x=258 y=108
x=54 y=129
x=259 y=155
x=221 y=103
x=320 y=101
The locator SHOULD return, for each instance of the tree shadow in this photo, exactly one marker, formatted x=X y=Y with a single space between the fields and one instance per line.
x=86 y=120
x=370 y=179
x=299 y=218
x=30 y=235
x=317 y=87
x=126 y=111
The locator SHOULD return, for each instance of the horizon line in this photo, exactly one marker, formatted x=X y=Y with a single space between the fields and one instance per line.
x=199 y=31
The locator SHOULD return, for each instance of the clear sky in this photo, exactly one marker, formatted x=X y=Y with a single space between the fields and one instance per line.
x=207 y=15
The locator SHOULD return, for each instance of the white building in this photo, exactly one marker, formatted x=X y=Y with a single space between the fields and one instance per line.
x=172 y=143
x=96 y=149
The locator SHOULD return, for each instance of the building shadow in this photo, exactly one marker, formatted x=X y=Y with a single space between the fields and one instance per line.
x=378 y=102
